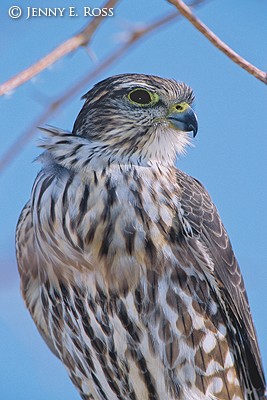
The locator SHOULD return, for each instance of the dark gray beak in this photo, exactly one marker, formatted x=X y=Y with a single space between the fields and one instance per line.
x=184 y=120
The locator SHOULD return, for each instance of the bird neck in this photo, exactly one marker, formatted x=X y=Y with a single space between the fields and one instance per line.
x=79 y=153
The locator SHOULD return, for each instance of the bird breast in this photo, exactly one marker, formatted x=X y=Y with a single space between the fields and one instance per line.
x=115 y=221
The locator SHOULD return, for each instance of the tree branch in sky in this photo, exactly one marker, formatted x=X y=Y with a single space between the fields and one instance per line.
x=217 y=42
x=80 y=39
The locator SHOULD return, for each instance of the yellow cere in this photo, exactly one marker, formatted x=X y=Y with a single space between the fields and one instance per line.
x=178 y=107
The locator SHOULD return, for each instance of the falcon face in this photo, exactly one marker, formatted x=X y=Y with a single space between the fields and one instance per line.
x=126 y=267
x=138 y=118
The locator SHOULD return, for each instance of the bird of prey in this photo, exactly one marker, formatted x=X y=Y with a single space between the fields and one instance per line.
x=125 y=265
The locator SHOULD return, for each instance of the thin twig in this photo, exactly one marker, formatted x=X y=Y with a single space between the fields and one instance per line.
x=57 y=104
x=80 y=39
x=250 y=68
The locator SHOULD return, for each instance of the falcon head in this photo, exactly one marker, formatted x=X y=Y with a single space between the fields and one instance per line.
x=138 y=118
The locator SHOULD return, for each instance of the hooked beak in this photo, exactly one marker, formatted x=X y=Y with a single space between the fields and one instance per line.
x=183 y=118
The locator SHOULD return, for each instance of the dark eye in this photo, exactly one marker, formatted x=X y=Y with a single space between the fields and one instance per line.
x=140 y=96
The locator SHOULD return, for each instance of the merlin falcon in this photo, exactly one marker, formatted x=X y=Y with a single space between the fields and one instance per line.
x=125 y=265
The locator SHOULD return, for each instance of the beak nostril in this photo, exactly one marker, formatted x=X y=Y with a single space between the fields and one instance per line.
x=179 y=107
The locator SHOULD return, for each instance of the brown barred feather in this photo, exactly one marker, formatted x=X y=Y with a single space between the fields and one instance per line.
x=126 y=268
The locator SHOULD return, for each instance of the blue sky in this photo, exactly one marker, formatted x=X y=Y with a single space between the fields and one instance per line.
x=229 y=156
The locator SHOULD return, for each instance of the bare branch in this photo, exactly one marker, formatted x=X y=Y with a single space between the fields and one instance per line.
x=62 y=100
x=80 y=39
x=251 y=69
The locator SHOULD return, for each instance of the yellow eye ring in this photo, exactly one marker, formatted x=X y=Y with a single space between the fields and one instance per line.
x=142 y=97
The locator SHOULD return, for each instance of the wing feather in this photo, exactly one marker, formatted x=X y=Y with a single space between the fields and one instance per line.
x=206 y=224
x=28 y=268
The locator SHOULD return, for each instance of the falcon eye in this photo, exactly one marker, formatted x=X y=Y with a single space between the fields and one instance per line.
x=142 y=97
